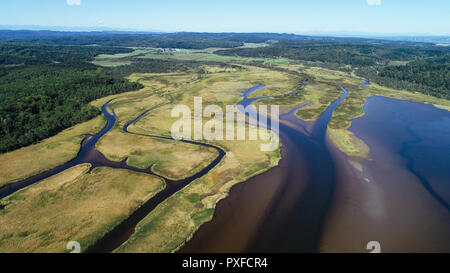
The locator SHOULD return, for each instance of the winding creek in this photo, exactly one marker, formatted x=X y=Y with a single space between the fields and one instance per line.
x=89 y=154
x=121 y=233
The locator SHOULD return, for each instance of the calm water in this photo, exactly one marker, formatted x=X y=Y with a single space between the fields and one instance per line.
x=419 y=133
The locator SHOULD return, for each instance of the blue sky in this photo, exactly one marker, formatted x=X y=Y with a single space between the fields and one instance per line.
x=293 y=16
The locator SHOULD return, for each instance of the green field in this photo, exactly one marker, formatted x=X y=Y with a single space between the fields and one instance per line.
x=206 y=55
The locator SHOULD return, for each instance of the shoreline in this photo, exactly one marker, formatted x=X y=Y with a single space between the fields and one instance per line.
x=381 y=200
x=230 y=187
x=243 y=209
x=359 y=147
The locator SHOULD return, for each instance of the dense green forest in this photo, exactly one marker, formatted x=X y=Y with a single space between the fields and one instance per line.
x=31 y=54
x=116 y=39
x=357 y=54
x=310 y=52
x=39 y=100
x=430 y=76
x=186 y=40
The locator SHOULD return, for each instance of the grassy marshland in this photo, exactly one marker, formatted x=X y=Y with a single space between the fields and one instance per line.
x=72 y=206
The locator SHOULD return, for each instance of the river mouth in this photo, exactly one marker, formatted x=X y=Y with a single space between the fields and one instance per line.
x=315 y=201
x=283 y=209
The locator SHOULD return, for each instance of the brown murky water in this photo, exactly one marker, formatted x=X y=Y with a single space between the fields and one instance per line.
x=400 y=197
x=283 y=209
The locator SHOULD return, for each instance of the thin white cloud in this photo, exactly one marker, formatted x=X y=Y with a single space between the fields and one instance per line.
x=73 y=2
x=374 y=2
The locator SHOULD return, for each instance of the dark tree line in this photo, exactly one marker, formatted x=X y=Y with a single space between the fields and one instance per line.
x=38 y=101
x=430 y=76
x=356 y=54
x=311 y=52
x=115 y=39
x=33 y=54
x=193 y=40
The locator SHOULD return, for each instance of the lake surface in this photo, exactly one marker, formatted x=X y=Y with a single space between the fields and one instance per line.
x=417 y=132
x=398 y=198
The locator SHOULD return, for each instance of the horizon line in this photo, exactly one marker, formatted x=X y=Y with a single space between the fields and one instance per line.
x=86 y=29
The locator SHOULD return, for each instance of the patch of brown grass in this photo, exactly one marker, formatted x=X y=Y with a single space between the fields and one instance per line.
x=72 y=206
